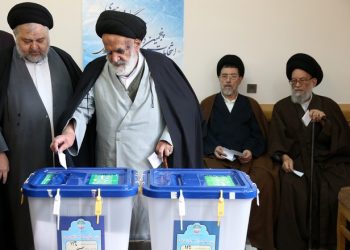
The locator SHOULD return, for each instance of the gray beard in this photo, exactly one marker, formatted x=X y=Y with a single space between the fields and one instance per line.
x=227 y=91
x=300 y=98
x=33 y=59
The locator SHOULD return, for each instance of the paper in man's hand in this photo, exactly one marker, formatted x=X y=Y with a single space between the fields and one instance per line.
x=231 y=154
x=306 y=118
x=154 y=160
x=62 y=159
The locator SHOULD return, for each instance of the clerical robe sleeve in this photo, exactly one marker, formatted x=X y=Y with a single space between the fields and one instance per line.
x=166 y=136
x=82 y=116
x=3 y=145
x=255 y=142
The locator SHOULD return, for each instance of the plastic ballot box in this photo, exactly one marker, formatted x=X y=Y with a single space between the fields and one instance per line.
x=198 y=209
x=81 y=208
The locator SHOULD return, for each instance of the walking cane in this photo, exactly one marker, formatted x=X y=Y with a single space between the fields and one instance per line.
x=312 y=174
x=165 y=161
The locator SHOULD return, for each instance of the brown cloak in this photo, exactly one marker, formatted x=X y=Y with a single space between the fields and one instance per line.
x=288 y=135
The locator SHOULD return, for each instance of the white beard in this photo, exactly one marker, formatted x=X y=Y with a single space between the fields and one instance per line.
x=122 y=68
x=300 y=98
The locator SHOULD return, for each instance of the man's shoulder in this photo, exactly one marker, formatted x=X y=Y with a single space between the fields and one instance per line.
x=325 y=99
x=151 y=53
x=209 y=99
x=98 y=62
x=248 y=98
x=283 y=101
x=59 y=51
x=153 y=57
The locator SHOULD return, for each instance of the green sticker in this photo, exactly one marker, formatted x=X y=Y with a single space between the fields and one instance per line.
x=104 y=179
x=219 y=181
x=47 y=179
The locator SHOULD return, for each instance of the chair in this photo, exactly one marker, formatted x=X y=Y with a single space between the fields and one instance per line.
x=343 y=232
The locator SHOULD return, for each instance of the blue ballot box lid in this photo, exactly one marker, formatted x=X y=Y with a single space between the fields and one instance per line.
x=81 y=182
x=198 y=183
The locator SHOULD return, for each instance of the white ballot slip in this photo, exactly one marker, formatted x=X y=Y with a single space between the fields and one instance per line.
x=298 y=173
x=236 y=153
x=306 y=118
x=231 y=154
x=62 y=159
x=154 y=160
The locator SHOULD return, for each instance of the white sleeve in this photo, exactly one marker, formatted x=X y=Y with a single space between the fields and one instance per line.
x=166 y=136
x=82 y=116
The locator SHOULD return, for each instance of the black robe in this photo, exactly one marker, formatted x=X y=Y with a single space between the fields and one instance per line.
x=28 y=136
x=6 y=41
x=178 y=102
x=331 y=171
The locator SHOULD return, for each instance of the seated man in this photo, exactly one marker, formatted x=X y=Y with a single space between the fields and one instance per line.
x=309 y=133
x=235 y=121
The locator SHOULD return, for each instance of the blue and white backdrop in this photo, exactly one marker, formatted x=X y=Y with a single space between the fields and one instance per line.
x=164 y=19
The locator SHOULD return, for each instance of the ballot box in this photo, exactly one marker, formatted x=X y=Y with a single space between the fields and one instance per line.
x=202 y=209
x=81 y=208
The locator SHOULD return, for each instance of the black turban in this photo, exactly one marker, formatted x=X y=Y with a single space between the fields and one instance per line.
x=306 y=63
x=29 y=13
x=120 y=23
x=231 y=61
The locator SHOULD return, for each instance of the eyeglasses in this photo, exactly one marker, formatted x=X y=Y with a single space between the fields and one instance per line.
x=302 y=81
x=229 y=76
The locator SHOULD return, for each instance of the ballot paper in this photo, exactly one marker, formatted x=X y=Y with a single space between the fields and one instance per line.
x=230 y=154
x=62 y=159
x=306 y=118
x=154 y=160
x=298 y=173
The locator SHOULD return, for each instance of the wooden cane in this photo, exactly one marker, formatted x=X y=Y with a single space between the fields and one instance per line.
x=311 y=184
x=165 y=161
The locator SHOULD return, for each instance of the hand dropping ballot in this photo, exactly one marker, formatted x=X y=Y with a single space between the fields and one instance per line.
x=154 y=160
x=231 y=154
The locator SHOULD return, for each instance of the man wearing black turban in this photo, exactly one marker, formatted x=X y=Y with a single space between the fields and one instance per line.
x=36 y=82
x=234 y=121
x=141 y=103
x=309 y=134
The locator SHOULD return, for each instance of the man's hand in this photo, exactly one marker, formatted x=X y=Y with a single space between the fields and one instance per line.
x=287 y=164
x=164 y=148
x=247 y=156
x=4 y=167
x=65 y=140
x=219 y=153
x=316 y=115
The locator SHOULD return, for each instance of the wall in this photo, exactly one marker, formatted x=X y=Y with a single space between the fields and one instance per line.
x=264 y=33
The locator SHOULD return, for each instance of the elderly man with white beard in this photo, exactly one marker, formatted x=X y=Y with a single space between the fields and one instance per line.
x=309 y=134
x=138 y=102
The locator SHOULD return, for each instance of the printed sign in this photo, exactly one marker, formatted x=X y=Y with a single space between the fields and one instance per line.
x=80 y=233
x=198 y=235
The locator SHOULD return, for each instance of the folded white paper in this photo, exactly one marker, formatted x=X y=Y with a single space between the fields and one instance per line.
x=306 y=118
x=298 y=173
x=154 y=160
x=231 y=154
x=62 y=159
